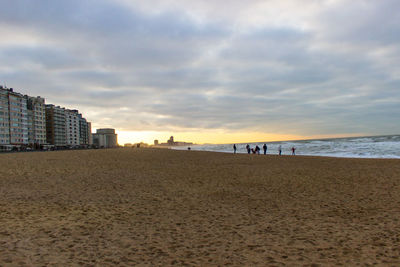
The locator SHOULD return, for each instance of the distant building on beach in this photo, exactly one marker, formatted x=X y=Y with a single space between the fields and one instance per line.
x=171 y=142
x=156 y=142
x=105 y=138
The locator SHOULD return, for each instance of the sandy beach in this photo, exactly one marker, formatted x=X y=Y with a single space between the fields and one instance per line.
x=160 y=207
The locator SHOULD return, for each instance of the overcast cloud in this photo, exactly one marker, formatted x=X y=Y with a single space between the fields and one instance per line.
x=284 y=67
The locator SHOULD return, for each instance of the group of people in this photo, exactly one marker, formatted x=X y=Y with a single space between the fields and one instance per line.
x=257 y=149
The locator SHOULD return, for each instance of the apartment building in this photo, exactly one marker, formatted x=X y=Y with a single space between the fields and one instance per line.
x=4 y=118
x=90 y=136
x=83 y=131
x=26 y=120
x=36 y=120
x=56 y=125
x=18 y=118
x=72 y=127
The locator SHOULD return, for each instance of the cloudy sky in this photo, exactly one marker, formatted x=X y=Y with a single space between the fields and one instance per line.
x=210 y=71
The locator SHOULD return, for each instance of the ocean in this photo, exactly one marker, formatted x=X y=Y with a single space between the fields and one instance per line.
x=351 y=147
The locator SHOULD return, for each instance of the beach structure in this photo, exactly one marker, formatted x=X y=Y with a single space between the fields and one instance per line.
x=105 y=138
x=36 y=121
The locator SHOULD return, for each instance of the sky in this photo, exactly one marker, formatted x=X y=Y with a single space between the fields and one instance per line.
x=210 y=71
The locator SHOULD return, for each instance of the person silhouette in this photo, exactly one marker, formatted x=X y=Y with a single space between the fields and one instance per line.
x=280 y=150
x=234 y=148
x=265 y=149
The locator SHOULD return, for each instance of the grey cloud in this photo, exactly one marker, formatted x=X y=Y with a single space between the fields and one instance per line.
x=362 y=21
x=141 y=71
x=45 y=57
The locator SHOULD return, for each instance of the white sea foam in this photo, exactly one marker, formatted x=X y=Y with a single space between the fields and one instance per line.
x=358 y=147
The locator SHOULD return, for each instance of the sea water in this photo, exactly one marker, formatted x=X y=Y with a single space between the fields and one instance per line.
x=352 y=147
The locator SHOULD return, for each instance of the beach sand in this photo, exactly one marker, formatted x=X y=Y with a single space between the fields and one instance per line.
x=160 y=207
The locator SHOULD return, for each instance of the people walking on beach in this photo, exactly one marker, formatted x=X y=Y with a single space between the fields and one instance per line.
x=257 y=149
x=248 y=149
x=293 y=151
x=280 y=150
x=265 y=149
x=234 y=148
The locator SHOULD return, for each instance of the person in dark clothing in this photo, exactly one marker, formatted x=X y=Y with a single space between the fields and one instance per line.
x=265 y=149
x=248 y=149
x=293 y=151
x=234 y=148
x=280 y=150
x=258 y=150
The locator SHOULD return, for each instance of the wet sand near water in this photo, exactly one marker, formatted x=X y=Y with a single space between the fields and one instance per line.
x=161 y=207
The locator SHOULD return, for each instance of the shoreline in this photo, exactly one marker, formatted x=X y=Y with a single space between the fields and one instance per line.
x=297 y=155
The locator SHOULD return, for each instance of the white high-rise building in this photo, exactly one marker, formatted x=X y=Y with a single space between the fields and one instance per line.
x=72 y=127
x=18 y=118
x=4 y=118
x=36 y=120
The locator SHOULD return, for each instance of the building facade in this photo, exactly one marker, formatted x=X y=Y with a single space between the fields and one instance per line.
x=18 y=118
x=72 y=127
x=105 y=138
x=36 y=121
x=90 y=136
x=28 y=121
x=56 y=125
x=84 y=131
x=4 y=118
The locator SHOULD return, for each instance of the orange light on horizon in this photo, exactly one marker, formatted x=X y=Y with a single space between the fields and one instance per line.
x=214 y=137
